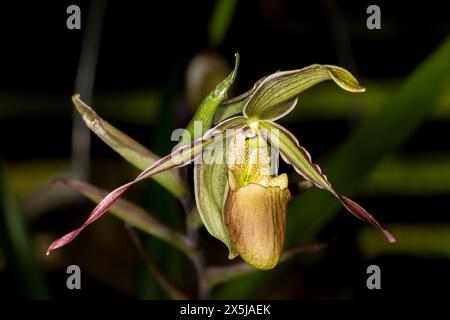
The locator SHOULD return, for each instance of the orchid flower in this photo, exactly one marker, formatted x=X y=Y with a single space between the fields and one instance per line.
x=239 y=195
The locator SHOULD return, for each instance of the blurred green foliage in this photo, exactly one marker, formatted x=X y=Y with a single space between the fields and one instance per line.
x=21 y=262
x=220 y=20
x=424 y=241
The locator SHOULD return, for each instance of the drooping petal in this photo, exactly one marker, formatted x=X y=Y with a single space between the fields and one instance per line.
x=299 y=158
x=127 y=147
x=129 y=212
x=293 y=153
x=267 y=100
x=362 y=214
x=181 y=156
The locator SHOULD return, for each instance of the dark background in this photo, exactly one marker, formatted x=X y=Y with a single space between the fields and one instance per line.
x=145 y=49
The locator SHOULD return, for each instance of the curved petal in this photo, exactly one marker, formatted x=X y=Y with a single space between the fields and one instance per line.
x=266 y=102
x=127 y=147
x=207 y=109
x=211 y=187
x=210 y=184
x=181 y=156
x=294 y=154
x=129 y=212
x=362 y=214
x=299 y=158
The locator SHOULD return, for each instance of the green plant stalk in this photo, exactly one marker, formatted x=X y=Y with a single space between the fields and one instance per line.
x=164 y=281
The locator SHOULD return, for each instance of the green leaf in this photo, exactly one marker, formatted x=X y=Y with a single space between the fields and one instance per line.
x=269 y=99
x=128 y=148
x=205 y=112
x=377 y=137
x=131 y=213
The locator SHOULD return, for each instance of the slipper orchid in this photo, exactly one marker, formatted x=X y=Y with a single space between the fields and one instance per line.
x=240 y=197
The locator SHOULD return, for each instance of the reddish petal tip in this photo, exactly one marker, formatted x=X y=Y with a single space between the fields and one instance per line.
x=389 y=236
x=64 y=240
x=362 y=214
